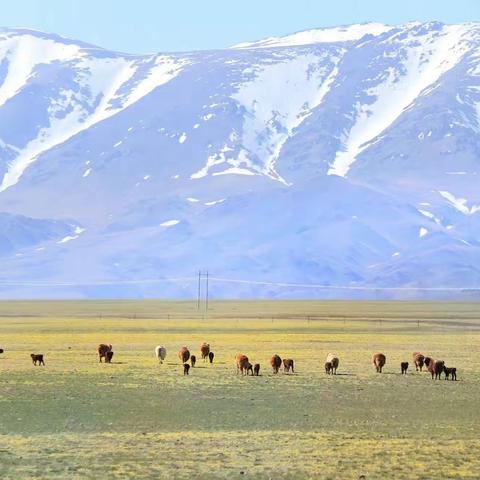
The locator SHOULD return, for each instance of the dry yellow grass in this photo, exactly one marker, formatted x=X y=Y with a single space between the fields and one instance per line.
x=137 y=419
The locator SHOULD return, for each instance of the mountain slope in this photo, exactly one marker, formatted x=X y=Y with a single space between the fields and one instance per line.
x=344 y=157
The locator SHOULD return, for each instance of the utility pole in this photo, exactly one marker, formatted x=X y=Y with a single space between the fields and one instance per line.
x=198 y=296
x=206 y=295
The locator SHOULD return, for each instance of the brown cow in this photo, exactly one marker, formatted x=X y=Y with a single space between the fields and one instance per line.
x=108 y=358
x=250 y=368
x=193 y=360
x=430 y=364
x=276 y=363
x=186 y=368
x=256 y=369
x=184 y=354
x=288 y=365
x=205 y=349
x=37 y=357
x=379 y=360
x=450 y=371
x=242 y=363
x=418 y=360
x=328 y=368
x=404 y=367
x=210 y=356
x=103 y=348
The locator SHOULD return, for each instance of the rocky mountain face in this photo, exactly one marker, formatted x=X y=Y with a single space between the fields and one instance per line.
x=327 y=163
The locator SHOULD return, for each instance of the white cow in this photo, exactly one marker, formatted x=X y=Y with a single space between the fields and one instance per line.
x=334 y=360
x=160 y=353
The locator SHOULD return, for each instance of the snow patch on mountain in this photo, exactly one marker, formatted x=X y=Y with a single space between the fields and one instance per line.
x=23 y=54
x=424 y=58
x=459 y=203
x=278 y=98
x=170 y=223
x=422 y=232
x=107 y=86
x=326 y=35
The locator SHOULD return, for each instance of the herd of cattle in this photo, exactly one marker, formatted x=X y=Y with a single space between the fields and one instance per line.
x=244 y=367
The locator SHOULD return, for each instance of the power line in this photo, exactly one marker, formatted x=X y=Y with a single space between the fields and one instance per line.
x=337 y=287
x=98 y=283
x=210 y=279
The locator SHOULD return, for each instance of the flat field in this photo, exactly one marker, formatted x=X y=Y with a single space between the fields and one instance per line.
x=78 y=419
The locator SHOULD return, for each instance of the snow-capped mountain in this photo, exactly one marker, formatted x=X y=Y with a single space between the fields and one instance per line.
x=346 y=157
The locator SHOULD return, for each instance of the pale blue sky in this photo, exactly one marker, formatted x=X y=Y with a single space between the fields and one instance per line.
x=144 y=26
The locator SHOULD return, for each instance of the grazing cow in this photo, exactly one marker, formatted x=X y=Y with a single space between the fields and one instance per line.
x=435 y=367
x=256 y=369
x=160 y=353
x=205 y=349
x=103 y=348
x=428 y=361
x=210 y=356
x=184 y=354
x=193 y=360
x=288 y=365
x=108 y=358
x=418 y=360
x=250 y=368
x=186 y=368
x=333 y=359
x=438 y=367
x=328 y=368
x=276 y=363
x=404 y=367
x=242 y=363
x=37 y=358
x=379 y=360
x=450 y=371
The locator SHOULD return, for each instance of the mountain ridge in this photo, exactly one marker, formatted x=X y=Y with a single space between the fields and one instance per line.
x=344 y=163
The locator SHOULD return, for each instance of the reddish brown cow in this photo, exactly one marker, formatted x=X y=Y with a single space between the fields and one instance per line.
x=184 y=354
x=430 y=364
x=379 y=360
x=250 y=368
x=276 y=363
x=418 y=360
x=205 y=349
x=288 y=365
x=242 y=363
x=103 y=349
x=108 y=358
x=186 y=368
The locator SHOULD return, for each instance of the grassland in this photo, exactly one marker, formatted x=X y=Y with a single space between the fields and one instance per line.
x=77 y=419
